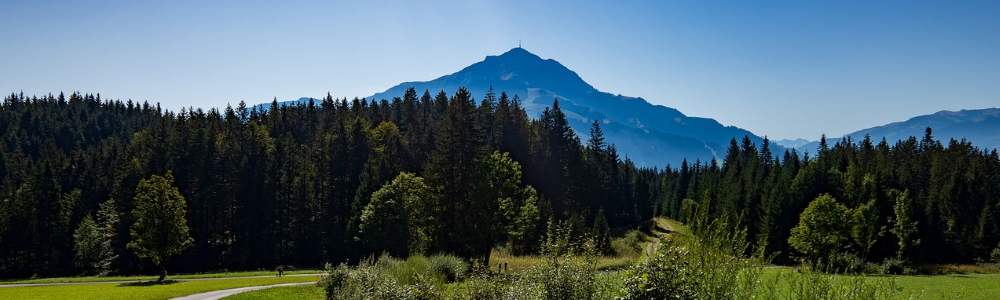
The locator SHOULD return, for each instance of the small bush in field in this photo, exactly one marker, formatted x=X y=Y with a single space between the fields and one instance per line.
x=844 y=263
x=451 y=267
x=995 y=255
x=629 y=245
x=665 y=276
x=367 y=281
x=894 y=266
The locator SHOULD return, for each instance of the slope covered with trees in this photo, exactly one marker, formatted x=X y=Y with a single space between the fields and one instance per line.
x=340 y=180
x=918 y=201
x=301 y=185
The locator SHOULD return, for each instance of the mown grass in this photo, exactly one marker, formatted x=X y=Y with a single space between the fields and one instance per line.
x=950 y=286
x=141 y=290
x=146 y=278
x=296 y=292
x=953 y=286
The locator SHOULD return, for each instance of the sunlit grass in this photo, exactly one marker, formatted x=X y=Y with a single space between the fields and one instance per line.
x=146 y=278
x=296 y=292
x=521 y=263
x=142 y=290
x=952 y=286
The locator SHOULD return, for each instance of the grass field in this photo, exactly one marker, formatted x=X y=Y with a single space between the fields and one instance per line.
x=147 y=278
x=297 y=292
x=142 y=290
x=526 y=262
x=952 y=286
x=955 y=286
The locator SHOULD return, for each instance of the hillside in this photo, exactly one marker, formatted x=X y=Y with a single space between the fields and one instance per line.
x=979 y=126
x=650 y=135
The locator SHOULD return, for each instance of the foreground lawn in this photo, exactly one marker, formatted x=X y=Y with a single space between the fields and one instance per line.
x=952 y=286
x=297 y=292
x=153 y=277
x=141 y=290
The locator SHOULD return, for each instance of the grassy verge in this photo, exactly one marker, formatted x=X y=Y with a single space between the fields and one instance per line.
x=131 y=278
x=297 y=292
x=521 y=263
x=142 y=290
x=951 y=286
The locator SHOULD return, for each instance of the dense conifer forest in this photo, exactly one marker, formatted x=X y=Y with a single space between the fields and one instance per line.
x=338 y=180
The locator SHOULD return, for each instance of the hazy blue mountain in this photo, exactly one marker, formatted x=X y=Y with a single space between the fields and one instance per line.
x=303 y=100
x=979 y=126
x=650 y=135
x=796 y=143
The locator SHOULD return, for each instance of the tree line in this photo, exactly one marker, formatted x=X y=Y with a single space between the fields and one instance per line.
x=332 y=180
x=337 y=180
x=915 y=201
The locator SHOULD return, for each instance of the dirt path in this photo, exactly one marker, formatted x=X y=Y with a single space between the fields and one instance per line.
x=655 y=243
x=136 y=281
x=215 y=295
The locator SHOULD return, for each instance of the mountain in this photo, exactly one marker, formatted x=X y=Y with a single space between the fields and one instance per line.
x=979 y=126
x=787 y=143
x=650 y=135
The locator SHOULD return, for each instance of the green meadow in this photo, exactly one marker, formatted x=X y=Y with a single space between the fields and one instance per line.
x=140 y=290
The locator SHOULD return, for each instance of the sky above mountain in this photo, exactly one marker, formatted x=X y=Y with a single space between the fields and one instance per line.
x=786 y=69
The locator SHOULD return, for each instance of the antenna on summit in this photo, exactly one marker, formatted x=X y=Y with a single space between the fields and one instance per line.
x=518 y=44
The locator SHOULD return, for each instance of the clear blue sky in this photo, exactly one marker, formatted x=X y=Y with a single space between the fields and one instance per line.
x=785 y=69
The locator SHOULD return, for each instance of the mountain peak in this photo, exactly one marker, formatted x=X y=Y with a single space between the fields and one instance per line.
x=651 y=135
x=517 y=53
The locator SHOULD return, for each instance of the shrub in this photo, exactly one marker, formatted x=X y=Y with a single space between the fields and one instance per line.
x=710 y=265
x=450 y=267
x=995 y=254
x=845 y=263
x=629 y=245
x=365 y=282
x=665 y=276
x=894 y=266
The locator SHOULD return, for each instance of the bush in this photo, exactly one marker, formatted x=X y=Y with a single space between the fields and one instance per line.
x=665 y=276
x=629 y=245
x=894 y=266
x=450 y=266
x=843 y=263
x=365 y=282
x=417 y=277
x=710 y=265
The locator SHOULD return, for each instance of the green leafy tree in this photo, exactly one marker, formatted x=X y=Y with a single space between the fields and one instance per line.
x=904 y=224
x=160 y=229
x=822 y=230
x=88 y=244
x=865 y=229
x=523 y=232
x=386 y=222
x=94 y=240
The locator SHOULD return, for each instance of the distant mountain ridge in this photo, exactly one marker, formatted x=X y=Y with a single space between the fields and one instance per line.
x=650 y=135
x=981 y=127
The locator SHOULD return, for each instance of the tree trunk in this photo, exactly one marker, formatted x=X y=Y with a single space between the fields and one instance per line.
x=163 y=272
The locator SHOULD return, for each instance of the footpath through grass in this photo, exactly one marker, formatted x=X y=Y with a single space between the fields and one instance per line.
x=141 y=290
